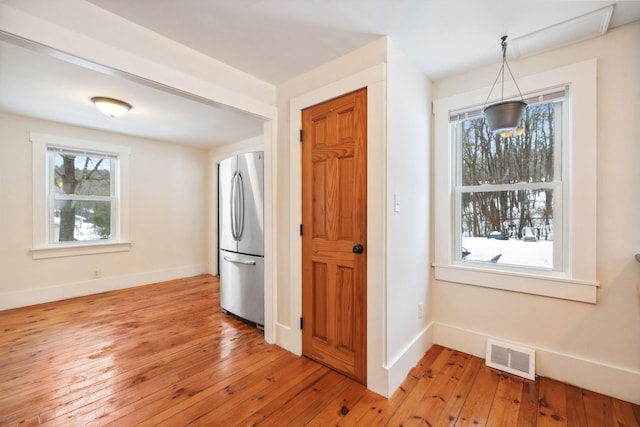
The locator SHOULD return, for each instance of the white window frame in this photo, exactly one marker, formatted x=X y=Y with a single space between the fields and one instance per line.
x=42 y=247
x=576 y=279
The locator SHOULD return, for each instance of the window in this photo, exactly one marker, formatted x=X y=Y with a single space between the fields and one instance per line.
x=80 y=192
x=82 y=195
x=508 y=187
x=517 y=212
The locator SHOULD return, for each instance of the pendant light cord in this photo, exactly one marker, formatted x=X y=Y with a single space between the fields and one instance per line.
x=501 y=73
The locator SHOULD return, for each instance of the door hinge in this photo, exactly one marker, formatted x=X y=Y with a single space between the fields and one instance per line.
x=301 y=135
x=301 y=230
x=301 y=323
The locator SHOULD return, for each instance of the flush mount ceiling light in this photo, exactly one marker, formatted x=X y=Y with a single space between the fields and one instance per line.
x=111 y=107
x=503 y=117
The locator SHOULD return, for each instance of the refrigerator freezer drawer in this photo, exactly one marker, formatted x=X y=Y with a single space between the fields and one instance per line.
x=242 y=285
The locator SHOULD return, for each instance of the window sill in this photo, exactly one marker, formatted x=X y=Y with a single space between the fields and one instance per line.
x=555 y=287
x=77 y=250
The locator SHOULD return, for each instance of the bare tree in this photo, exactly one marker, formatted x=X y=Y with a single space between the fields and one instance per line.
x=73 y=182
x=491 y=159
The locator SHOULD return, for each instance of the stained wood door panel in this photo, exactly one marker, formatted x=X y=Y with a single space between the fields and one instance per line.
x=334 y=212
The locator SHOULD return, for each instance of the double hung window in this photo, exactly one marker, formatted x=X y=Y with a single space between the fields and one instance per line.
x=80 y=197
x=517 y=212
x=508 y=187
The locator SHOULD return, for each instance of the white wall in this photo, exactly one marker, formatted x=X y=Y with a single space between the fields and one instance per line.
x=169 y=187
x=361 y=68
x=408 y=231
x=593 y=346
x=398 y=161
x=342 y=68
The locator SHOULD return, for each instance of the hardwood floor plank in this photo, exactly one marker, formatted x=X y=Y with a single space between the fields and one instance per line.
x=451 y=411
x=476 y=407
x=101 y=373
x=304 y=372
x=506 y=402
x=200 y=392
x=186 y=382
x=337 y=411
x=408 y=411
x=306 y=405
x=623 y=413
x=165 y=354
x=599 y=409
x=376 y=411
x=528 y=414
x=283 y=397
x=441 y=390
x=636 y=412
x=552 y=403
x=576 y=414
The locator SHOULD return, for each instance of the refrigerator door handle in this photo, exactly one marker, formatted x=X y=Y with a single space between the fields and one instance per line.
x=240 y=261
x=240 y=193
x=232 y=207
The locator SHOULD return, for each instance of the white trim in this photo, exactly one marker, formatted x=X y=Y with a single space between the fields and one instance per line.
x=579 y=216
x=76 y=250
x=28 y=297
x=190 y=74
x=621 y=383
x=290 y=338
x=270 y=229
x=406 y=359
x=528 y=283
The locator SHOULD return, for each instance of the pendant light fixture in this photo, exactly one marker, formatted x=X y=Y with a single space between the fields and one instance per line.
x=503 y=117
x=111 y=107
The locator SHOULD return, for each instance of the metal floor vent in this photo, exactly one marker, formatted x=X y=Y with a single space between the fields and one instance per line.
x=511 y=358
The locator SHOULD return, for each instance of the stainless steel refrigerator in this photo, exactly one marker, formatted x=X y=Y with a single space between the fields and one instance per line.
x=241 y=231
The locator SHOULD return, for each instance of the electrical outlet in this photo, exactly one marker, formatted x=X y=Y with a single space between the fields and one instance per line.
x=420 y=311
x=97 y=274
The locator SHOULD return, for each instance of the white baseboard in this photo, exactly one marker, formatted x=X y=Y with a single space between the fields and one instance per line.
x=28 y=297
x=399 y=367
x=287 y=339
x=591 y=375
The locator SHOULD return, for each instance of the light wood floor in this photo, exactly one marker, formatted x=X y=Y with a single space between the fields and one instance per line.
x=164 y=354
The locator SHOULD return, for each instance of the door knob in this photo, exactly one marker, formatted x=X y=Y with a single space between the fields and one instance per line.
x=357 y=249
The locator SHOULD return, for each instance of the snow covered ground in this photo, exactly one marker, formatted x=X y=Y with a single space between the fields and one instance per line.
x=514 y=252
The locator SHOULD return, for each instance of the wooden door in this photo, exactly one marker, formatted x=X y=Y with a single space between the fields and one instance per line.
x=334 y=199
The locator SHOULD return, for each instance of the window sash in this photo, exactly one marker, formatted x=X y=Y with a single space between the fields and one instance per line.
x=555 y=95
x=51 y=151
x=558 y=237
x=78 y=152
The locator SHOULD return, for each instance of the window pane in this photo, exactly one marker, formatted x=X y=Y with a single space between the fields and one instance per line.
x=76 y=220
x=82 y=175
x=524 y=157
x=508 y=227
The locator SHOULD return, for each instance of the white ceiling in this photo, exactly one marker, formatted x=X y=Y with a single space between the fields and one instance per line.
x=274 y=40
x=35 y=84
